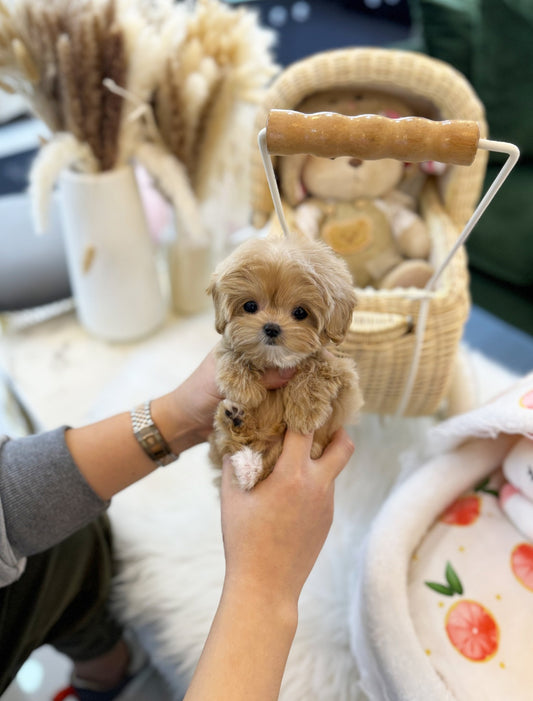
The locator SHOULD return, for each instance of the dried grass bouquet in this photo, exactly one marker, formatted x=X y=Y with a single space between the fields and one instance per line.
x=146 y=80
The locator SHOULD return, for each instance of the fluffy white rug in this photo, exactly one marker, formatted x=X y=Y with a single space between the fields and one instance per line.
x=170 y=549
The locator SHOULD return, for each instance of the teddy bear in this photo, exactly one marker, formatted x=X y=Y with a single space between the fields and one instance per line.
x=365 y=210
x=516 y=495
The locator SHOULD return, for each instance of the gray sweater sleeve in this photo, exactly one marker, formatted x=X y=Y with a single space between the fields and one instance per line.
x=43 y=496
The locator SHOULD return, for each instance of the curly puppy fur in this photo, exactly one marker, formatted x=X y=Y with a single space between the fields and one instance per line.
x=281 y=303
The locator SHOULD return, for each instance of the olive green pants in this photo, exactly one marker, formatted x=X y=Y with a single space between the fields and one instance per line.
x=61 y=599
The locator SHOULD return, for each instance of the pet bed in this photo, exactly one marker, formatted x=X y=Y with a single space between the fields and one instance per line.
x=445 y=602
x=400 y=370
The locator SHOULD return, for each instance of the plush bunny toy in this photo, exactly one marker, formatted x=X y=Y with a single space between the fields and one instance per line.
x=516 y=495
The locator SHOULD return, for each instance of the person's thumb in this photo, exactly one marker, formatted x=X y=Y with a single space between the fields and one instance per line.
x=337 y=453
x=296 y=450
x=227 y=474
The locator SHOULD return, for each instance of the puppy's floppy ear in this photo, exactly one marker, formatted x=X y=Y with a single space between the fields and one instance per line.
x=222 y=313
x=334 y=281
x=340 y=314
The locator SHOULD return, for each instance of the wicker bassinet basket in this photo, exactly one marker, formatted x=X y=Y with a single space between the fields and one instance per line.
x=382 y=337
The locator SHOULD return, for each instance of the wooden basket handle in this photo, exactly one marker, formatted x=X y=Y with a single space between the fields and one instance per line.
x=371 y=136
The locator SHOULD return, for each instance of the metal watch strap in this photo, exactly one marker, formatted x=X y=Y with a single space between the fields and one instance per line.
x=149 y=436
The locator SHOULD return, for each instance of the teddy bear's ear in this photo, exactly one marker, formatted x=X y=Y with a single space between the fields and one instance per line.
x=220 y=304
x=290 y=177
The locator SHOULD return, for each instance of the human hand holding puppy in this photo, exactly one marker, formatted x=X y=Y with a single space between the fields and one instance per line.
x=272 y=537
x=183 y=416
x=294 y=507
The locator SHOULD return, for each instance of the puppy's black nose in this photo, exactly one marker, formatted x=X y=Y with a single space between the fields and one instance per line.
x=272 y=330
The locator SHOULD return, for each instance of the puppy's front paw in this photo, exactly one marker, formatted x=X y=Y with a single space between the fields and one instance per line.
x=307 y=420
x=316 y=450
x=233 y=412
x=247 y=467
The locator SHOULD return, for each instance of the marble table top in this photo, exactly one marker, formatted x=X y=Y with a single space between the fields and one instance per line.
x=66 y=376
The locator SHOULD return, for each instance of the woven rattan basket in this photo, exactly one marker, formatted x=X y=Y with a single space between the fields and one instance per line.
x=382 y=338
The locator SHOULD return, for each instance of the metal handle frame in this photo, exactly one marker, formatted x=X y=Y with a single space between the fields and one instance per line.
x=428 y=292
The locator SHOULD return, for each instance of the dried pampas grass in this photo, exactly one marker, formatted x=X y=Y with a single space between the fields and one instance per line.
x=58 y=53
x=194 y=62
x=116 y=80
x=218 y=64
x=64 y=151
x=156 y=12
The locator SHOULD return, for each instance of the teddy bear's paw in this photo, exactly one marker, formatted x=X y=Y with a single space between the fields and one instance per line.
x=247 y=467
x=233 y=412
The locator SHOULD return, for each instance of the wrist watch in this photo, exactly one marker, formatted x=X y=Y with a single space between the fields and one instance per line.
x=149 y=436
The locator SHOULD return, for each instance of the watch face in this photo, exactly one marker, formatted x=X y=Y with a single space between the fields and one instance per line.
x=149 y=437
x=153 y=442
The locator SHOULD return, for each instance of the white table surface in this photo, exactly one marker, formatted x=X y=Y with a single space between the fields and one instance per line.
x=66 y=376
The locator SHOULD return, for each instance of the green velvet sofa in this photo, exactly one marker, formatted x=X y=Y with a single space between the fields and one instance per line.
x=491 y=43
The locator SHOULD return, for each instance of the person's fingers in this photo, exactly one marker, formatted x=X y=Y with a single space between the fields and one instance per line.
x=227 y=470
x=296 y=449
x=228 y=483
x=337 y=453
x=209 y=370
x=202 y=381
x=274 y=378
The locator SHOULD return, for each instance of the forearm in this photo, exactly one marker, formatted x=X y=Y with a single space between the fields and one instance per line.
x=56 y=482
x=109 y=456
x=246 y=650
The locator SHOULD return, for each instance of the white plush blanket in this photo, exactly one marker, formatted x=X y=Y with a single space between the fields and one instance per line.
x=169 y=543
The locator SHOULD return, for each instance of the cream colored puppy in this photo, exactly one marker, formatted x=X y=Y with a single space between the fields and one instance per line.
x=280 y=303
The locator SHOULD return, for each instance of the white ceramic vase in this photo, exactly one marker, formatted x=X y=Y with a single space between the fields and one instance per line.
x=110 y=256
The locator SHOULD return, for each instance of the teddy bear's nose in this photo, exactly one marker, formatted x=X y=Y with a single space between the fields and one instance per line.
x=272 y=330
x=355 y=162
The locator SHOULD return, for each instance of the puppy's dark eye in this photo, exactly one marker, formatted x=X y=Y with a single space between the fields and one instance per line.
x=299 y=313
x=250 y=307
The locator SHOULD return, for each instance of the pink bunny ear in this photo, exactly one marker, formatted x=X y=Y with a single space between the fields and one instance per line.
x=391 y=114
x=433 y=167
x=157 y=210
x=507 y=491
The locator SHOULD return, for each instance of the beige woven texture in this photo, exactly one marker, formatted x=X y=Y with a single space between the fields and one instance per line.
x=382 y=335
